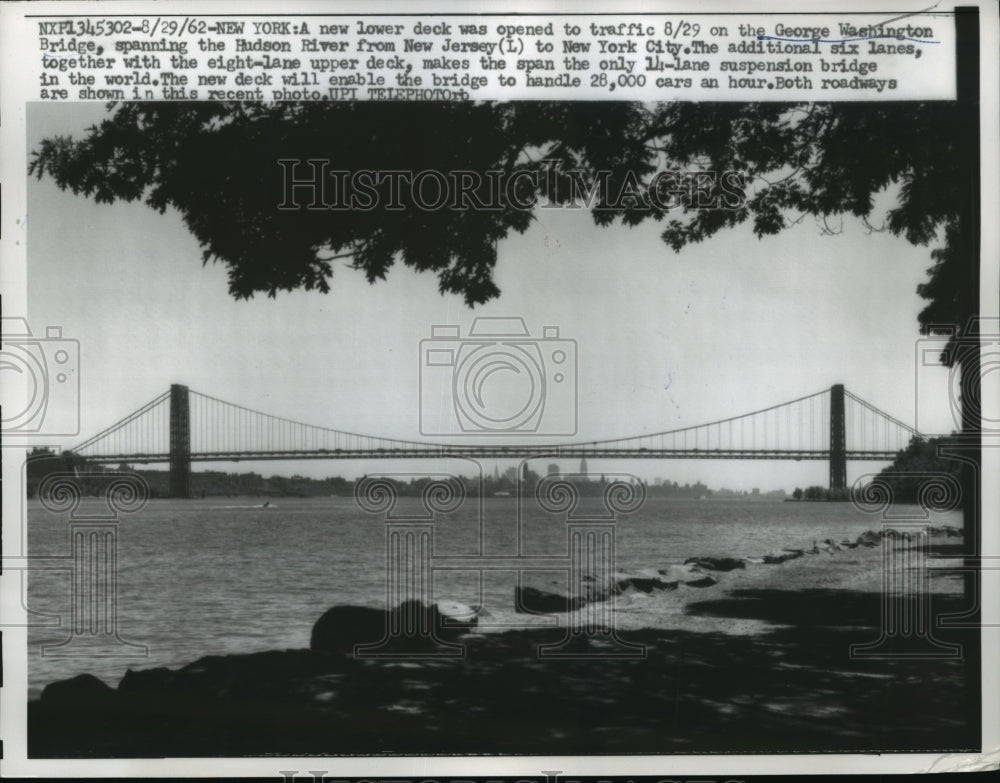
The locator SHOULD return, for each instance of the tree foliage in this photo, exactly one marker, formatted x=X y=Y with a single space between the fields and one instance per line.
x=918 y=463
x=216 y=163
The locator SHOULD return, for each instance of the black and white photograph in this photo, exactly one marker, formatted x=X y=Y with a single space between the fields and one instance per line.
x=392 y=416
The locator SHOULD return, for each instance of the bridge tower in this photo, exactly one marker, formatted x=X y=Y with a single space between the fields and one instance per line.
x=180 y=442
x=838 y=438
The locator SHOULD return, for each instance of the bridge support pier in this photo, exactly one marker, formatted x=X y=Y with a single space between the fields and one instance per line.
x=180 y=442
x=838 y=439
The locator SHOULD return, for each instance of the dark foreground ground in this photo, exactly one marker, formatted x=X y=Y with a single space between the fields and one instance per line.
x=791 y=689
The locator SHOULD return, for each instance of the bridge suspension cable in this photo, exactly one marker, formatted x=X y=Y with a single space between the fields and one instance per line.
x=144 y=431
x=799 y=425
x=218 y=426
x=213 y=429
x=870 y=428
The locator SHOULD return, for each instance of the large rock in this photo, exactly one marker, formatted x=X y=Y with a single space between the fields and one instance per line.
x=642 y=583
x=716 y=563
x=705 y=581
x=688 y=574
x=455 y=615
x=448 y=619
x=869 y=538
x=784 y=556
x=270 y=675
x=681 y=573
x=84 y=690
x=342 y=628
x=147 y=680
x=534 y=601
x=643 y=580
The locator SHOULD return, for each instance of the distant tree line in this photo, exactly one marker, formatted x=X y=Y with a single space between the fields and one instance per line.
x=818 y=493
x=909 y=471
x=93 y=478
x=671 y=489
x=906 y=475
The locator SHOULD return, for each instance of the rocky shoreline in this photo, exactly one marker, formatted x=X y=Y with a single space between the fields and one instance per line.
x=447 y=687
x=698 y=572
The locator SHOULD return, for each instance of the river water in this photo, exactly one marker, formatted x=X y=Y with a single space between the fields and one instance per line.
x=223 y=575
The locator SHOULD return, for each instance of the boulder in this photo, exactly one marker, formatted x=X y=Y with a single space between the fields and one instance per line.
x=455 y=616
x=716 y=563
x=340 y=628
x=642 y=584
x=705 y=581
x=83 y=691
x=945 y=530
x=783 y=557
x=445 y=619
x=147 y=680
x=681 y=573
x=530 y=600
x=869 y=539
x=688 y=574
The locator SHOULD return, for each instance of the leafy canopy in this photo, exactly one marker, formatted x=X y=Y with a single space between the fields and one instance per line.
x=216 y=163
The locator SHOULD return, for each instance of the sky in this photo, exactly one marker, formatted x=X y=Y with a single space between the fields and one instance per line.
x=664 y=339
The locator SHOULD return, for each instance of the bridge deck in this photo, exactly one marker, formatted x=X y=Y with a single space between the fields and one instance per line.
x=181 y=427
x=501 y=452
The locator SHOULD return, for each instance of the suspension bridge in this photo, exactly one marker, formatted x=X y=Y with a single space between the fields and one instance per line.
x=182 y=426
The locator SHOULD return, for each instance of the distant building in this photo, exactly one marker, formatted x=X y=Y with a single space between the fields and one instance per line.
x=553 y=469
x=583 y=465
